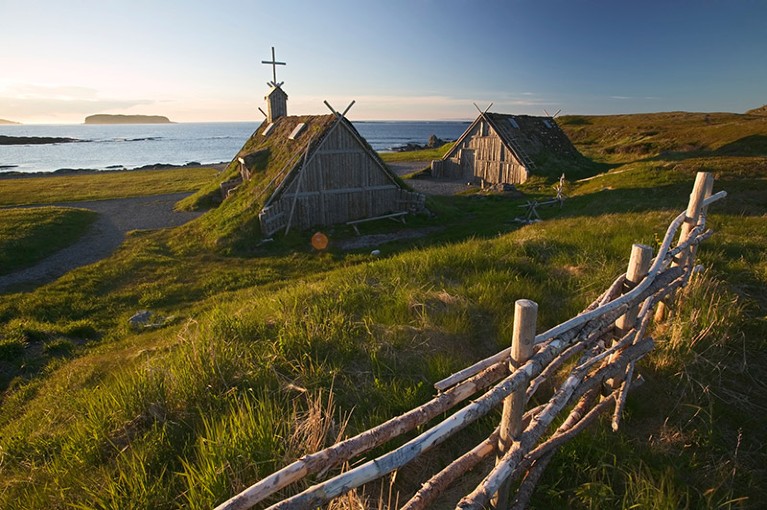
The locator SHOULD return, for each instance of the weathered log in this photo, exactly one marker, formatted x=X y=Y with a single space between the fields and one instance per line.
x=439 y=483
x=345 y=450
x=525 y=320
x=530 y=481
x=620 y=402
x=697 y=203
x=323 y=492
x=535 y=463
x=639 y=264
x=555 y=365
x=574 y=387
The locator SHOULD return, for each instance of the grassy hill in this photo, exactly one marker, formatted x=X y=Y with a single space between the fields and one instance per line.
x=249 y=344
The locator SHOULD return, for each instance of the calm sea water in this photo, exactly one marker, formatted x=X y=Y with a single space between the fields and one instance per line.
x=134 y=145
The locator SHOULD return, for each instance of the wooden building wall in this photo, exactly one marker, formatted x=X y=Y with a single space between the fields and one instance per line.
x=482 y=156
x=341 y=182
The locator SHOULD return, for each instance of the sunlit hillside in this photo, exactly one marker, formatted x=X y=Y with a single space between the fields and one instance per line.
x=96 y=414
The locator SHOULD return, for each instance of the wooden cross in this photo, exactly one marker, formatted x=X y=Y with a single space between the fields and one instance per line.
x=274 y=64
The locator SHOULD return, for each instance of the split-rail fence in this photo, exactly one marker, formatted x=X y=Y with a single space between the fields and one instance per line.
x=602 y=345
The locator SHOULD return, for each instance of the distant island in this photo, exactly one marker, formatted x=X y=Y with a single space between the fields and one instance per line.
x=7 y=122
x=126 y=119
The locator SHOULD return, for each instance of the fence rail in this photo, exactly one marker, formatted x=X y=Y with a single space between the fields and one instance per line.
x=606 y=340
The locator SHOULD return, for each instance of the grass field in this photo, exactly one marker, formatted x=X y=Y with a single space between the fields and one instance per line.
x=51 y=189
x=221 y=392
x=29 y=235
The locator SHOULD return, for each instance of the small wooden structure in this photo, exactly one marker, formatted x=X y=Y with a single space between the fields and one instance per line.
x=330 y=175
x=313 y=170
x=500 y=148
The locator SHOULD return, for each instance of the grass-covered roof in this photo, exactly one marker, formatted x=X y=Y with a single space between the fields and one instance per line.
x=540 y=140
x=234 y=224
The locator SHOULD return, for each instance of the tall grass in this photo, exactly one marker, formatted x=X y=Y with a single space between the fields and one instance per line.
x=208 y=409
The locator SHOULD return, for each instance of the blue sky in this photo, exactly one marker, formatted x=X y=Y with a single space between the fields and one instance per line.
x=400 y=60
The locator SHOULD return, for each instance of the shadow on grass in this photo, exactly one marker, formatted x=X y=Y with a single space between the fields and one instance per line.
x=477 y=216
x=745 y=147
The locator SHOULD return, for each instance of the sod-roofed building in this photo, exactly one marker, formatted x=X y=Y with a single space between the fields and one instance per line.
x=501 y=148
x=315 y=170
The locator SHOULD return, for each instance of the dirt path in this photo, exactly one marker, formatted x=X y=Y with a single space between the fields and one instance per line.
x=115 y=218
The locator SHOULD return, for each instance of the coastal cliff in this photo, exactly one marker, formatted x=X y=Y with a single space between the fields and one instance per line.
x=7 y=122
x=126 y=119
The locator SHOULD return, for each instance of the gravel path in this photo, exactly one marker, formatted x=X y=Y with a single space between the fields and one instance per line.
x=115 y=218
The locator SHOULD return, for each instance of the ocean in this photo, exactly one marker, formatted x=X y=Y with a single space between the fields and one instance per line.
x=107 y=147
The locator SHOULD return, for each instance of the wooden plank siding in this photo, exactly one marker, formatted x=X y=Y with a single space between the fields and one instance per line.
x=340 y=182
x=502 y=148
x=482 y=155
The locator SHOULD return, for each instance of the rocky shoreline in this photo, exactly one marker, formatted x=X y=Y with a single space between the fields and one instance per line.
x=36 y=140
x=12 y=174
x=433 y=143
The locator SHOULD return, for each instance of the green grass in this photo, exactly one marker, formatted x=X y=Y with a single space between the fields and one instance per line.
x=29 y=235
x=421 y=155
x=51 y=189
x=93 y=414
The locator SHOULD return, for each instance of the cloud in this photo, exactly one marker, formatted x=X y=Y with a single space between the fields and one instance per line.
x=29 y=91
x=26 y=107
x=637 y=98
x=24 y=102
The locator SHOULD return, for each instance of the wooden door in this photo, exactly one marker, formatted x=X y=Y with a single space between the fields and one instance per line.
x=467 y=162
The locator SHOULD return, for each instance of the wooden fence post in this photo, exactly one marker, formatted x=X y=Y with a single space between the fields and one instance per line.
x=639 y=265
x=703 y=185
x=525 y=318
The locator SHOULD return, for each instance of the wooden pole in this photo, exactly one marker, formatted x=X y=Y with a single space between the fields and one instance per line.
x=523 y=338
x=298 y=188
x=707 y=192
x=700 y=189
x=693 y=211
x=639 y=265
